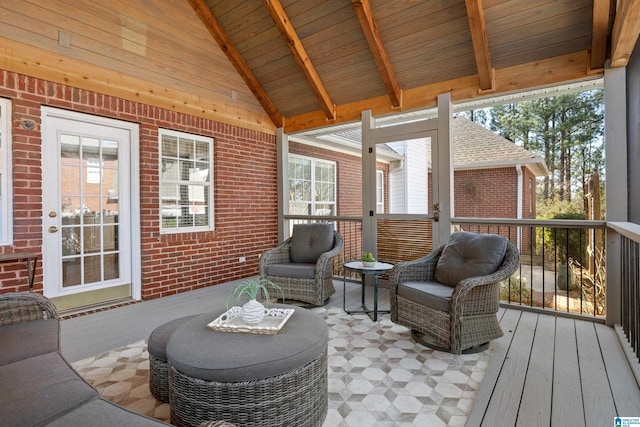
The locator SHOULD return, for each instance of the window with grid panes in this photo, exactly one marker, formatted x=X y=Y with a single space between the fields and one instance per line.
x=186 y=181
x=312 y=186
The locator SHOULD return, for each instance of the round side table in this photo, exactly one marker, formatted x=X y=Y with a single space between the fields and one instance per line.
x=358 y=267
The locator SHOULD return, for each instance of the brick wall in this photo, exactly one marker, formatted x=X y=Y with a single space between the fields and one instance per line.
x=244 y=190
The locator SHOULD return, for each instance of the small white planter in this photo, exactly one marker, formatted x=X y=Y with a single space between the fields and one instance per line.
x=252 y=312
x=369 y=264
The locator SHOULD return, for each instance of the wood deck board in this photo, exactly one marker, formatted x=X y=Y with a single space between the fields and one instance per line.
x=577 y=370
x=510 y=383
x=596 y=395
x=566 y=403
x=535 y=407
x=624 y=388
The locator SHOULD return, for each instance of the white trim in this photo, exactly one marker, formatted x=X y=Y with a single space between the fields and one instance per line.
x=313 y=200
x=211 y=218
x=132 y=159
x=6 y=187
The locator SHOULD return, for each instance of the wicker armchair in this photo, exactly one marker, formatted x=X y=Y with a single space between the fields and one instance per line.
x=458 y=316
x=303 y=264
x=24 y=307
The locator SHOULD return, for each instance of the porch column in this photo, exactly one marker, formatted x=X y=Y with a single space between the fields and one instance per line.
x=443 y=166
x=615 y=137
x=282 y=162
x=369 y=231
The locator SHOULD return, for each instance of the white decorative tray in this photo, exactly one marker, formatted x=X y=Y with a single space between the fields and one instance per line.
x=230 y=321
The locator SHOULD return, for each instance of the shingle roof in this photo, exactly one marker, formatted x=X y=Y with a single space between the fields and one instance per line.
x=476 y=147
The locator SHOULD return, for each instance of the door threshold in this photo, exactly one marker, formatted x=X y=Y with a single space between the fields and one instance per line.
x=94 y=308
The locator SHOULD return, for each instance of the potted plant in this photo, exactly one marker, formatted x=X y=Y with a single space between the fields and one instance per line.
x=253 y=311
x=368 y=260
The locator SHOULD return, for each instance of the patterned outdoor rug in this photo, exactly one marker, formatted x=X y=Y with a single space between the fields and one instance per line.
x=377 y=376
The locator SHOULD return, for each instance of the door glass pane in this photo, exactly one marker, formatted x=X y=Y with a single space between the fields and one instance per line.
x=404 y=185
x=89 y=177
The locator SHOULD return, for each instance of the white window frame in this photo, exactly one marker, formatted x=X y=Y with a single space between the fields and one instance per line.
x=313 y=200
x=207 y=185
x=6 y=187
x=379 y=191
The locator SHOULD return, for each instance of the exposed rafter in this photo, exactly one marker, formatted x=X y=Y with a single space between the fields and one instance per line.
x=300 y=54
x=625 y=32
x=599 y=33
x=475 y=14
x=370 y=29
x=238 y=62
x=546 y=72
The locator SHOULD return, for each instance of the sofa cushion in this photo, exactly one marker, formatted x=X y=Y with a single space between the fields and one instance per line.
x=40 y=388
x=27 y=339
x=292 y=270
x=470 y=255
x=434 y=295
x=100 y=413
x=309 y=241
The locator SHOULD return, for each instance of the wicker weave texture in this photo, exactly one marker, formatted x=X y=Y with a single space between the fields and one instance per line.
x=159 y=378
x=471 y=319
x=25 y=306
x=314 y=291
x=297 y=398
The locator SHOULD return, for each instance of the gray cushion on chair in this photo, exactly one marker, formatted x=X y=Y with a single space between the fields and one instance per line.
x=35 y=390
x=429 y=294
x=100 y=413
x=292 y=270
x=27 y=339
x=470 y=255
x=309 y=241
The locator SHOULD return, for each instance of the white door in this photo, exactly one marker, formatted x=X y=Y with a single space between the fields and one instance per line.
x=404 y=208
x=89 y=242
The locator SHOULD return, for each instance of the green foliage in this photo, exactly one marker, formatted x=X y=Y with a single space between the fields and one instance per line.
x=565 y=130
x=562 y=243
x=368 y=257
x=252 y=288
x=515 y=290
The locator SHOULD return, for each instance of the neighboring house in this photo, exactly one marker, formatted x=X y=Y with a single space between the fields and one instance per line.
x=493 y=177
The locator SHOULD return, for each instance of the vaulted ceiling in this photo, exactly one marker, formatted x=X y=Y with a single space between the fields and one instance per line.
x=312 y=63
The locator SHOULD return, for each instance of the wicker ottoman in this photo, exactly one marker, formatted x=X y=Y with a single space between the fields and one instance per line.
x=158 y=366
x=249 y=379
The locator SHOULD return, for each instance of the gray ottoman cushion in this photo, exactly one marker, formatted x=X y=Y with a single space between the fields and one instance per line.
x=100 y=413
x=235 y=357
x=35 y=390
x=157 y=343
x=27 y=339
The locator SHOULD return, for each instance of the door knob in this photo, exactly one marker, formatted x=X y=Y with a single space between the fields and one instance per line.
x=53 y=229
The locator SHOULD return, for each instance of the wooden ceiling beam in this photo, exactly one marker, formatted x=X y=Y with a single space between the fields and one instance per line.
x=214 y=28
x=294 y=43
x=475 y=15
x=371 y=33
x=626 y=28
x=547 y=72
x=599 y=33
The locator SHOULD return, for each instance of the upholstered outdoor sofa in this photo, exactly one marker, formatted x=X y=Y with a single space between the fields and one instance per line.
x=37 y=385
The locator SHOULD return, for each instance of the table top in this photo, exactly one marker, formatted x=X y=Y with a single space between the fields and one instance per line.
x=357 y=266
x=200 y=352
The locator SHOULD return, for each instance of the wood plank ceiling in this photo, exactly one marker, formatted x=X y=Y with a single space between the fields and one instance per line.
x=312 y=63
